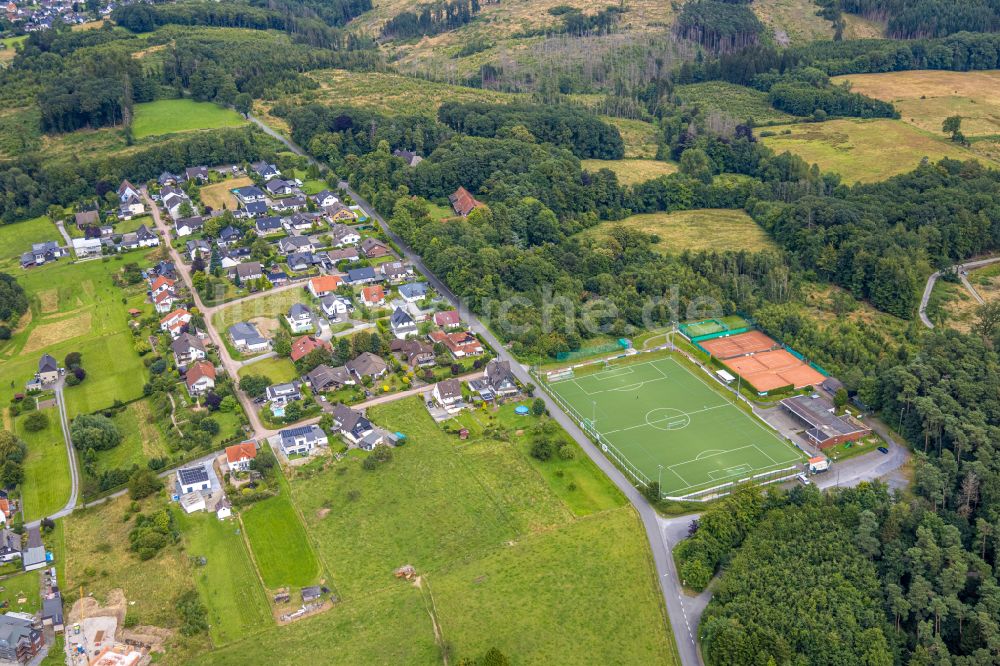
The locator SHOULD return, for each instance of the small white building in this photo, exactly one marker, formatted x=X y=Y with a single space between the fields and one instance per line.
x=191 y=479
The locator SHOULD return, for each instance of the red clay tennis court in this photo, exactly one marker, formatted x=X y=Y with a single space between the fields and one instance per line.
x=742 y=344
x=768 y=370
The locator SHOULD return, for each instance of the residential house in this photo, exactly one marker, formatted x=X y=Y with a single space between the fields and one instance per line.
x=187 y=348
x=42 y=253
x=448 y=394
x=164 y=301
x=239 y=456
x=167 y=178
x=198 y=248
x=189 y=225
x=279 y=395
x=19 y=640
x=200 y=378
x=364 y=275
x=128 y=191
x=413 y=292
x=233 y=256
x=499 y=378
x=193 y=479
x=241 y=273
x=87 y=218
x=299 y=318
x=335 y=306
x=299 y=221
x=165 y=269
x=462 y=202
x=401 y=324
x=246 y=337
x=278 y=187
x=394 y=271
x=301 y=261
x=276 y=276
x=408 y=156
x=341 y=235
x=161 y=284
x=460 y=343
x=10 y=545
x=197 y=173
x=324 y=285
x=175 y=322
x=448 y=319
x=52 y=610
x=351 y=424
x=174 y=202
x=253 y=208
x=344 y=254
x=295 y=244
x=141 y=237
x=373 y=297
x=48 y=370
x=301 y=347
x=338 y=212
x=229 y=236
x=325 y=378
x=249 y=194
x=289 y=204
x=373 y=248
x=265 y=170
x=367 y=364
x=87 y=247
x=34 y=556
x=131 y=208
x=311 y=593
x=416 y=353
x=302 y=440
x=267 y=226
x=324 y=198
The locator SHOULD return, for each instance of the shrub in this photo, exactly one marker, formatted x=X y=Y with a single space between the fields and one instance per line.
x=93 y=431
x=144 y=483
x=542 y=449
x=566 y=452
x=36 y=422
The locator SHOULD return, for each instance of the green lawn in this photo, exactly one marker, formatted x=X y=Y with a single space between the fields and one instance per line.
x=277 y=368
x=22 y=586
x=167 y=116
x=270 y=305
x=126 y=226
x=227 y=583
x=16 y=239
x=672 y=427
x=141 y=440
x=701 y=229
x=46 y=485
x=280 y=544
x=630 y=172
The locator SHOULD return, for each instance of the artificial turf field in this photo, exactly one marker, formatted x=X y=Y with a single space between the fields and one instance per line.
x=656 y=413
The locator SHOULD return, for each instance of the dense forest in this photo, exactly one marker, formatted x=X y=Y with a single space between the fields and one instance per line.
x=908 y=19
x=431 y=19
x=720 y=25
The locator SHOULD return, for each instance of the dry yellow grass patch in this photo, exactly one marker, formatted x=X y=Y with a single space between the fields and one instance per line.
x=630 y=172
x=48 y=300
x=926 y=97
x=219 y=196
x=705 y=229
x=638 y=135
x=45 y=335
x=267 y=326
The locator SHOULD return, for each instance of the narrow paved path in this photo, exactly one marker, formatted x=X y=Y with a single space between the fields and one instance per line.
x=62 y=230
x=958 y=268
x=74 y=469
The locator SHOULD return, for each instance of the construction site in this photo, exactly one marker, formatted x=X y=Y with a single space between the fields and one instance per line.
x=96 y=634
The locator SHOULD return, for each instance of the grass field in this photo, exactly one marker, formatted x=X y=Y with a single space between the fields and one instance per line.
x=16 y=239
x=76 y=307
x=24 y=586
x=280 y=544
x=792 y=21
x=926 y=97
x=46 y=485
x=8 y=51
x=271 y=305
x=703 y=229
x=738 y=102
x=228 y=583
x=167 y=116
x=638 y=135
x=670 y=425
x=278 y=369
x=864 y=150
x=219 y=196
x=630 y=172
x=141 y=440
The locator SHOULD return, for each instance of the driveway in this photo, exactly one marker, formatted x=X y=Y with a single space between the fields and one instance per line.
x=960 y=269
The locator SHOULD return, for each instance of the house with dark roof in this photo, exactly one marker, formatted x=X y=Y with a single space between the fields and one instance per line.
x=338 y=212
x=302 y=440
x=448 y=394
x=365 y=275
x=198 y=248
x=278 y=187
x=324 y=198
x=325 y=378
x=499 y=377
x=187 y=348
x=249 y=194
x=279 y=395
x=295 y=244
x=166 y=178
x=10 y=545
x=394 y=271
x=348 y=253
x=198 y=173
x=186 y=226
x=401 y=324
x=251 y=270
x=253 y=208
x=299 y=318
x=367 y=364
x=415 y=353
x=246 y=337
x=351 y=424
x=266 y=226
x=342 y=235
x=19 y=640
x=413 y=291
x=824 y=428
x=408 y=156
x=289 y=204
x=335 y=306
x=373 y=248
x=34 y=556
x=48 y=369
x=193 y=479
x=265 y=170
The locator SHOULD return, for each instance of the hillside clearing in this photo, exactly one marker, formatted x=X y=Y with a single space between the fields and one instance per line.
x=167 y=116
x=738 y=102
x=703 y=229
x=630 y=172
x=863 y=150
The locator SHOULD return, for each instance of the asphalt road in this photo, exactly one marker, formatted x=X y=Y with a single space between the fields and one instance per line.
x=959 y=268
x=74 y=469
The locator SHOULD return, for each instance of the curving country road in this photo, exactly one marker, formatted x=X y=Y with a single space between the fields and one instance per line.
x=959 y=269
x=74 y=469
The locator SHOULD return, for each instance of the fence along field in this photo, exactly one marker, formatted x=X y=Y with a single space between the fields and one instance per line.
x=666 y=425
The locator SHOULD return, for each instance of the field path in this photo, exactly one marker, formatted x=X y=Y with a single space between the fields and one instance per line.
x=74 y=470
x=959 y=269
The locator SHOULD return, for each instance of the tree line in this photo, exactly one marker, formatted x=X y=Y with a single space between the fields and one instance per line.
x=431 y=19
x=908 y=19
x=721 y=26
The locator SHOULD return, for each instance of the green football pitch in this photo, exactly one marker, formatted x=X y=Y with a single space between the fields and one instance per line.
x=668 y=424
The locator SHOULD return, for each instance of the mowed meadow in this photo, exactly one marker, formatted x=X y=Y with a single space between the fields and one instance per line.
x=703 y=229
x=487 y=530
x=168 y=116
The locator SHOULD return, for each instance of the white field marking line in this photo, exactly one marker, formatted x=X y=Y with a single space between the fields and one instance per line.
x=683 y=480
x=751 y=469
x=751 y=417
x=687 y=462
x=711 y=451
x=680 y=416
x=613 y=373
x=764 y=453
x=730 y=472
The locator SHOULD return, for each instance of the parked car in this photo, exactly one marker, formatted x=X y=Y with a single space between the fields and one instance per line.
x=883 y=450
x=804 y=479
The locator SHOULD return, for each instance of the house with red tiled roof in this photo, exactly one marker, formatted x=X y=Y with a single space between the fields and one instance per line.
x=164 y=301
x=463 y=202
x=448 y=319
x=324 y=284
x=307 y=343
x=200 y=378
x=175 y=322
x=373 y=296
x=161 y=284
x=239 y=456
x=460 y=344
